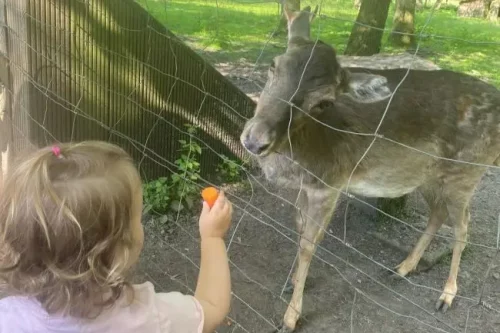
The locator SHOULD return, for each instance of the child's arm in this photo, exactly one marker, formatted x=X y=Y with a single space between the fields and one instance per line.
x=214 y=284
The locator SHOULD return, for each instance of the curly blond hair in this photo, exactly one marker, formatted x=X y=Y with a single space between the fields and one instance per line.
x=65 y=227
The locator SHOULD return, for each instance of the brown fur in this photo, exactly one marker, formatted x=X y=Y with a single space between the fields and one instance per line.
x=442 y=113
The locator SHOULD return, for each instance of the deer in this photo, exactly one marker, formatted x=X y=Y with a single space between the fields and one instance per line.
x=312 y=131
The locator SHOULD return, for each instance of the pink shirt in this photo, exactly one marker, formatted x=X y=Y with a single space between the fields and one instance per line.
x=150 y=312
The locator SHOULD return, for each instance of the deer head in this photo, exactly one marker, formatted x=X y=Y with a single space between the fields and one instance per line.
x=299 y=22
x=299 y=82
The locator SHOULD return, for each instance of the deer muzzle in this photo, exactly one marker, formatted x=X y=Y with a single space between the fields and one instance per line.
x=258 y=137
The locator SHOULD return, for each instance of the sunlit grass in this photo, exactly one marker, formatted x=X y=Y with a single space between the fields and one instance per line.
x=232 y=30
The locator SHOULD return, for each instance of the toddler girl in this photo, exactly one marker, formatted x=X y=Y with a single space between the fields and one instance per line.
x=70 y=229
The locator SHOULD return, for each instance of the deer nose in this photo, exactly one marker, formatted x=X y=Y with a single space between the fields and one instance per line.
x=254 y=144
x=257 y=137
x=256 y=147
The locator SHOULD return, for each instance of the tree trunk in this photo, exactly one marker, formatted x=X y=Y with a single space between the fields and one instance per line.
x=366 y=41
x=403 y=23
x=494 y=10
x=357 y=4
x=293 y=5
x=366 y=37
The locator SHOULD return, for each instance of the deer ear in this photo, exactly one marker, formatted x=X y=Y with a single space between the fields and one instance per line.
x=364 y=87
x=290 y=14
x=312 y=14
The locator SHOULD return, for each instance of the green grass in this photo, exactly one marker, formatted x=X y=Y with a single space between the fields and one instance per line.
x=230 y=30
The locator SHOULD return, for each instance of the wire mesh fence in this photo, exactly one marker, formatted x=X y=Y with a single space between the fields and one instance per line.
x=114 y=71
x=113 y=63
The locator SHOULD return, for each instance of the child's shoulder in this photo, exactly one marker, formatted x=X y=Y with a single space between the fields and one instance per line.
x=149 y=312
x=174 y=309
x=13 y=303
x=144 y=289
x=145 y=293
x=22 y=314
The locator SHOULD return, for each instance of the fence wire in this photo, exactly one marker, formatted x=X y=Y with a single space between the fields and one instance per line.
x=368 y=300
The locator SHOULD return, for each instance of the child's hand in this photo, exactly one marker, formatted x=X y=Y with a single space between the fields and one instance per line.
x=215 y=221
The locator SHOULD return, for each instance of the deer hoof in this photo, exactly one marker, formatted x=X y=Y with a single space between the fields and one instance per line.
x=395 y=277
x=403 y=269
x=288 y=287
x=393 y=274
x=284 y=329
x=444 y=302
x=442 y=306
x=449 y=292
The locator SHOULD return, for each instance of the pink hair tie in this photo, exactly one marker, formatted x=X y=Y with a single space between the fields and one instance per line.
x=56 y=151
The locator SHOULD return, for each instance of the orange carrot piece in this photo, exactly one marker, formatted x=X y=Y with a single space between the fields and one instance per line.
x=210 y=195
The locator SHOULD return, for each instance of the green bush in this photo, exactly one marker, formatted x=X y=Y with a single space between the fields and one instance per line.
x=157 y=195
x=178 y=191
x=229 y=170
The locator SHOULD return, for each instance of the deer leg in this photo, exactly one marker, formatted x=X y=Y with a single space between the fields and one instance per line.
x=437 y=216
x=461 y=217
x=300 y=223
x=320 y=207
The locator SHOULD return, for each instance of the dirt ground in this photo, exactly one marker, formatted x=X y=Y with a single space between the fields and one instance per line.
x=263 y=247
